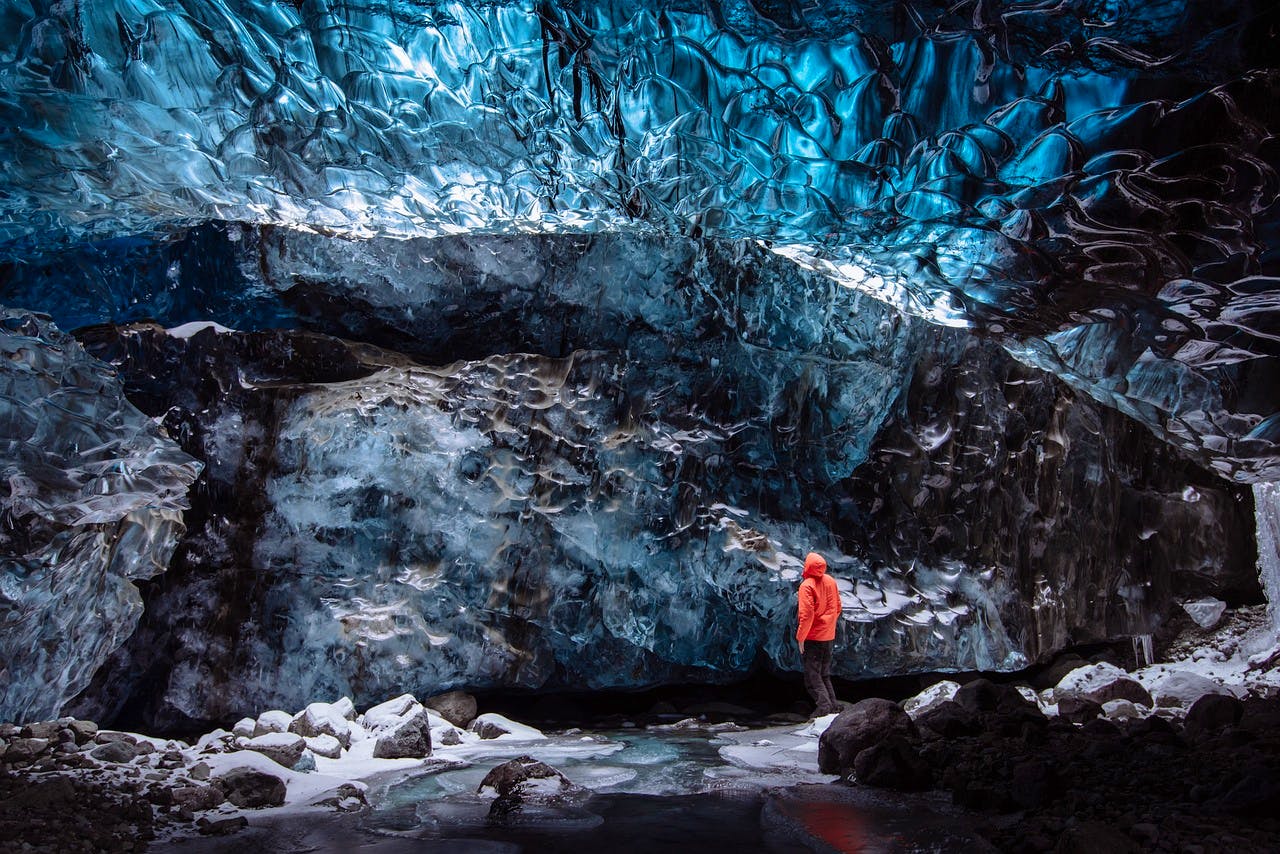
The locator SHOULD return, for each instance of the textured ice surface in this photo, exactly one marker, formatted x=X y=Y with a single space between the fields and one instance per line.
x=630 y=515
x=1094 y=183
x=93 y=501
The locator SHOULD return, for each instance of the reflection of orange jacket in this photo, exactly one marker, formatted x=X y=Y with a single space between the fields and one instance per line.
x=819 y=601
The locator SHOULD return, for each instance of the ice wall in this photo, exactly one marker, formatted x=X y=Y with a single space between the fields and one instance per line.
x=629 y=508
x=93 y=503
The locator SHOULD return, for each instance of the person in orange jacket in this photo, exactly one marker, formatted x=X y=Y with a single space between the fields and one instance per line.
x=819 y=608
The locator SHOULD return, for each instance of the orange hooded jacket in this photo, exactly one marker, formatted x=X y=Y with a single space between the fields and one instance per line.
x=819 y=601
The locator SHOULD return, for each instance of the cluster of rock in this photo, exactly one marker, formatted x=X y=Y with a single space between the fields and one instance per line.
x=106 y=790
x=154 y=784
x=1100 y=761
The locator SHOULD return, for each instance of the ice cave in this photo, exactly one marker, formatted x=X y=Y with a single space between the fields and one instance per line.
x=416 y=416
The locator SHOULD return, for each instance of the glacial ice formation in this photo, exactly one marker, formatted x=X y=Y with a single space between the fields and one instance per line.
x=93 y=502
x=1093 y=183
x=630 y=508
x=562 y=327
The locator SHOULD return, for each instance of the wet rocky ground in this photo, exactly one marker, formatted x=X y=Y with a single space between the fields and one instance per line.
x=1098 y=759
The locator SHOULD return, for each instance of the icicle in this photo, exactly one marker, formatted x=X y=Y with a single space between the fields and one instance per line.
x=1143 y=650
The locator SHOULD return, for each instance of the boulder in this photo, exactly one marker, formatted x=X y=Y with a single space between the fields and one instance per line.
x=27 y=749
x=42 y=729
x=283 y=748
x=526 y=780
x=457 y=707
x=197 y=798
x=494 y=726
x=868 y=722
x=892 y=764
x=1120 y=710
x=252 y=789
x=115 y=751
x=272 y=721
x=507 y=777
x=84 y=731
x=1205 y=612
x=949 y=720
x=391 y=713
x=1101 y=683
x=930 y=698
x=1179 y=689
x=324 y=745
x=323 y=719
x=1078 y=710
x=409 y=739
x=245 y=728
x=1211 y=713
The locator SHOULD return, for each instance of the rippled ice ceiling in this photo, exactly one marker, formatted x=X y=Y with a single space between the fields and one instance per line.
x=1092 y=182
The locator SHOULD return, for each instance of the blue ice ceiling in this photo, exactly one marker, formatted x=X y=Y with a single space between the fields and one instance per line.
x=1092 y=182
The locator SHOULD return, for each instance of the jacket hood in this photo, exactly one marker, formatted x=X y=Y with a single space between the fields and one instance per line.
x=815 y=566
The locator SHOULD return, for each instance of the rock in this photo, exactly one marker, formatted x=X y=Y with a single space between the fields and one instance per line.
x=324 y=745
x=323 y=719
x=867 y=723
x=1211 y=713
x=1179 y=689
x=197 y=798
x=221 y=826
x=930 y=698
x=949 y=720
x=348 y=798
x=251 y=789
x=1101 y=683
x=410 y=739
x=450 y=738
x=26 y=749
x=487 y=729
x=1120 y=710
x=283 y=748
x=1078 y=710
x=108 y=736
x=1206 y=612
x=983 y=695
x=245 y=728
x=272 y=721
x=456 y=707
x=526 y=780
x=115 y=751
x=199 y=771
x=47 y=730
x=892 y=764
x=391 y=713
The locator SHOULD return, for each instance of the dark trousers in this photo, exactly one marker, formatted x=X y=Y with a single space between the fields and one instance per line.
x=817 y=675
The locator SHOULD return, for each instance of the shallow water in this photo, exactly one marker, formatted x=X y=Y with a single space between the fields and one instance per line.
x=650 y=791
